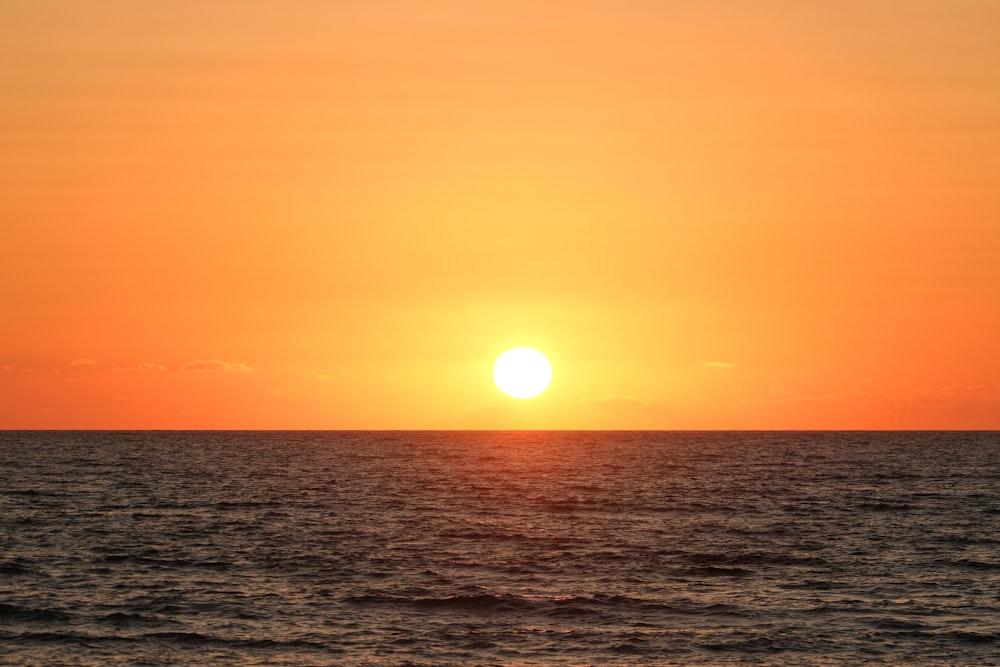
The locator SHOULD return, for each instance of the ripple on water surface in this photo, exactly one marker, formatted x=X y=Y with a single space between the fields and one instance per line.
x=356 y=548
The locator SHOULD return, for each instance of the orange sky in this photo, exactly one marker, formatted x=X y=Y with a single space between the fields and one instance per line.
x=708 y=213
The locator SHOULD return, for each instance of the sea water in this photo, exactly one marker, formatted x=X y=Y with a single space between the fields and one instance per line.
x=499 y=548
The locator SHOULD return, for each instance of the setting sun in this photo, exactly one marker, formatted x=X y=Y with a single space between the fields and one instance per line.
x=336 y=215
x=522 y=372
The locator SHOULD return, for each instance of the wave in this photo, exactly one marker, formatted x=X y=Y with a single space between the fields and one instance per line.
x=713 y=571
x=166 y=563
x=482 y=602
x=884 y=507
x=196 y=638
x=966 y=637
x=188 y=639
x=553 y=606
x=509 y=537
x=898 y=624
x=813 y=585
x=751 y=558
x=15 y=613
x=13 y=567
x=902 y=630
x=121 y=620
x=970 y=564
x=753 y=644
x=246 y=504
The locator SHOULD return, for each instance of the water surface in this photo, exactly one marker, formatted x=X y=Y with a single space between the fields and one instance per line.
x=499 y=548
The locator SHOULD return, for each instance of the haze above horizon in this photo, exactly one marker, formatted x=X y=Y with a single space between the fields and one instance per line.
x=708 y=215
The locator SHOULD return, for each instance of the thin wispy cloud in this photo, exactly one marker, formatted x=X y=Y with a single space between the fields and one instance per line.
x=967 y=390
x=720 y=364
x=283 y=391
x=185 y=397
x=611 y=399
x=145 y=367
x=216 y=365
x=780 y=395
x=83 y=361
x=958 y=393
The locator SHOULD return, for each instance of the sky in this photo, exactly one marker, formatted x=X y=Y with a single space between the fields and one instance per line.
x=708 y=214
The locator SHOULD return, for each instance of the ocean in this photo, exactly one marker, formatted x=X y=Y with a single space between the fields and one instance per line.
x=499 y=548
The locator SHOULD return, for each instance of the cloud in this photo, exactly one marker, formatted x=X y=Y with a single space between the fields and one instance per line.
x=966 y=390
x=777 y=395
x=184 y=397
x=958 y=393
x=720 y=364
x=5 y=367
x=216 y=365
x=281 y=391
x=144 y=367
x=83 y=361
x=610 y=399
x=323 y=377
x=953 y=394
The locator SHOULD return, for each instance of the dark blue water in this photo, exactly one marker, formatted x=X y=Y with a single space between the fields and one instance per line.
x=499 y=548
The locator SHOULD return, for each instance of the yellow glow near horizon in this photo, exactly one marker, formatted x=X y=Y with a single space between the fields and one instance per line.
x=319 y=215
x=522 y=372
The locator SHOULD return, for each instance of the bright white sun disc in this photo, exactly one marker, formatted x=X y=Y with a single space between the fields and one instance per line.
x=522 y=372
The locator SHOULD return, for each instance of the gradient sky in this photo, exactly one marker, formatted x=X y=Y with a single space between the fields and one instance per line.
x=707 y=213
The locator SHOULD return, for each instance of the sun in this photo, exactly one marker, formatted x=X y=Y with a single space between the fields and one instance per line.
x=522 y=372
